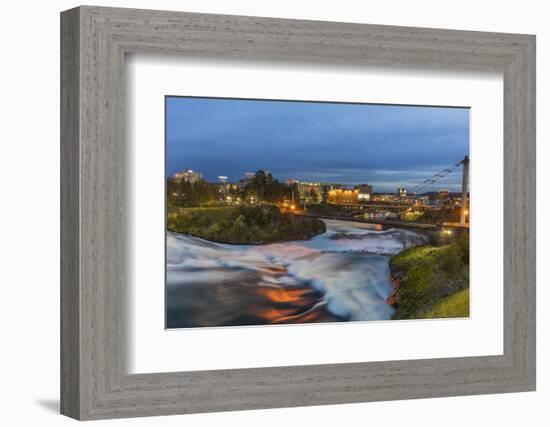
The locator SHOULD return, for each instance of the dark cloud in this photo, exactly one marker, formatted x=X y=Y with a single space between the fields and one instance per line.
x=386 y=146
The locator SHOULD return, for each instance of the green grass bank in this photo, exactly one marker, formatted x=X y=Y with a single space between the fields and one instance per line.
x=432 y=281
x=243 y=224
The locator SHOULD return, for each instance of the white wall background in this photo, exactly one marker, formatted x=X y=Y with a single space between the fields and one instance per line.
x=29 y=212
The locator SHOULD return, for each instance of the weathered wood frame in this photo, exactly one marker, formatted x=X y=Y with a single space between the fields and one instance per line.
x=94 y=41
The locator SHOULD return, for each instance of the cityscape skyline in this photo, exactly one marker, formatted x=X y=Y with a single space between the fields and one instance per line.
x=385 y=146
x=247 y=175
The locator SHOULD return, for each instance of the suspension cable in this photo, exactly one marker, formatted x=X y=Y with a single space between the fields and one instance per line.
x=436 y=177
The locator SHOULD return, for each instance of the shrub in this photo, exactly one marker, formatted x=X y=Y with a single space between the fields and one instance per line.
x=243 y=224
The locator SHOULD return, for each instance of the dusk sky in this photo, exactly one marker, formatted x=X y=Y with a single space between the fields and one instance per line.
x=384 y=146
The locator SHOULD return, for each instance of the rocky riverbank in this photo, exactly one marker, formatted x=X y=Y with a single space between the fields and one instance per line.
x=393 y=299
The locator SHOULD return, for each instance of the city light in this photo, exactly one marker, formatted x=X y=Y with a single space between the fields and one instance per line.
x=436 y=208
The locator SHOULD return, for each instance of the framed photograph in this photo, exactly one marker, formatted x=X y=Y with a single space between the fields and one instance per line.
x=262 y=213
x=317 y=232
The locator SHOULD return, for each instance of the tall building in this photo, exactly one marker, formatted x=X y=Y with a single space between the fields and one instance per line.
x=402 y=192
x=188 y=175
x=364 y=192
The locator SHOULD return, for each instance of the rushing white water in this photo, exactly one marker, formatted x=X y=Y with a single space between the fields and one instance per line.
x=342 y=274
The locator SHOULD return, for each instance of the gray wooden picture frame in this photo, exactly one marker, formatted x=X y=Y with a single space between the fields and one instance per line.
x=94 y=382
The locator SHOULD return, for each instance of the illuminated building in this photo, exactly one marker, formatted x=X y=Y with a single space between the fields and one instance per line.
x=343 y=196
x=402 y=192
x=310 y=191
x=188 y=175
x=421 y=200
x=364 y=193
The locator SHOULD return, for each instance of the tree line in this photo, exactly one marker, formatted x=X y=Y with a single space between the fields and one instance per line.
x=262 y=186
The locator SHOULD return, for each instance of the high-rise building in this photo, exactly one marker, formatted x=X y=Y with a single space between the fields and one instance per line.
x=364 y=192
x=188 y=175
x=402 y=192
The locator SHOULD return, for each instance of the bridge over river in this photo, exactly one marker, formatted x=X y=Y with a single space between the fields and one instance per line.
x=393 y=223
x=444 y=227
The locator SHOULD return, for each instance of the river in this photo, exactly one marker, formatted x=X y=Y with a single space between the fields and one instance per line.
x=340 y=275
